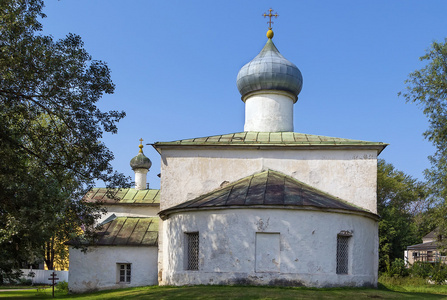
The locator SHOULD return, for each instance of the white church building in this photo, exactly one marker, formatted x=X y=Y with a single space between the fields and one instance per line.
x=266 y=206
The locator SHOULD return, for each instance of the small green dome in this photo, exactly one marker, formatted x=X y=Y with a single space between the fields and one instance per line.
x=140 y=161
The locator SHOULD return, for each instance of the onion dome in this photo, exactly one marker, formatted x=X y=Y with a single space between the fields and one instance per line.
x=269 y=70
x=140 y=161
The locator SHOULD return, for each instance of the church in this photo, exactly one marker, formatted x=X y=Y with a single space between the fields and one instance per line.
x=264 y=206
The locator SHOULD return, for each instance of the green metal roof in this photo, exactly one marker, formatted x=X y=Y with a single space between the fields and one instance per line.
x=126 y=231
x=124 y=196
x=272 y=139
x=268 y=189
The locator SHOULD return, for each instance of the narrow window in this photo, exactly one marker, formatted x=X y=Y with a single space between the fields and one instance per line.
x=342 y=254
x=192 y=251
x=124 y=272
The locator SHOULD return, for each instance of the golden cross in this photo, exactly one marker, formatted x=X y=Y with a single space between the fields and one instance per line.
x=141 y=145
x=270 y=15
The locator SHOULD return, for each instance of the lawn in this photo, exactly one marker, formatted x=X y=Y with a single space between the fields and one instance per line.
x=388 y=290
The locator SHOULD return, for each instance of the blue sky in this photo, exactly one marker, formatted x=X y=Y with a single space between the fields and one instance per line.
x=175 y=64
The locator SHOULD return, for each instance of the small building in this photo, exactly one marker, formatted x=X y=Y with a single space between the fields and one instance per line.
x=125 y=254
x=427 y=251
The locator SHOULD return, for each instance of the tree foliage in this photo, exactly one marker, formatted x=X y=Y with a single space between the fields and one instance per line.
x=50 y=131
x=427 y=88
x=402 y=205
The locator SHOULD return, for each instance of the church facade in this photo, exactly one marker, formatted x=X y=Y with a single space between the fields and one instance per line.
x=266 y=206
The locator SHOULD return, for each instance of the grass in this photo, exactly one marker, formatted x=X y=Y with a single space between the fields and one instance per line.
x=389 y=288
x=17 y=287
x=408 y=284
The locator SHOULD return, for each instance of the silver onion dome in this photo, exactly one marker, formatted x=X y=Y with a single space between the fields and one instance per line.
x=140 y=161
x=269 y=70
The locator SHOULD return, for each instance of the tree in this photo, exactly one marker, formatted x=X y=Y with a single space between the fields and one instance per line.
x=427 y=88
x=50 y=131
x=402 y=206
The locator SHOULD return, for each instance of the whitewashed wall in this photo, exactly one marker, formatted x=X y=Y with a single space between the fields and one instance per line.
x=269 y=112
x=41 y=276
x=348 y=174
x=307 y=248
x=97 y=269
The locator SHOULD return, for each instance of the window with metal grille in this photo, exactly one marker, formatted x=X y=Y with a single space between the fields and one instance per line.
x=124 y=272
x=192 y=251
x=342 y=254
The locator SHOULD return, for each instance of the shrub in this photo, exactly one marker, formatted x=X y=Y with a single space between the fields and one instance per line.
x=24 y=281
x=439 y=273
x=398 y=268
x=9 y=276
x=62 y=286
x=421 y=269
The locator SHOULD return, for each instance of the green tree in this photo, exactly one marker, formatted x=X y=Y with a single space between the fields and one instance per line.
x=50 y=131
x=402 y=206
x=427 y=88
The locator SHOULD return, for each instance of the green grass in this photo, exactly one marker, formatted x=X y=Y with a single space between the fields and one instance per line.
x=389 y=288
x=414 y=285
x=15 y=287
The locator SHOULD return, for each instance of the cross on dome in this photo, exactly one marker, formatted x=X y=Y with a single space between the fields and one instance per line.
x=141 y=145
x=270 y=15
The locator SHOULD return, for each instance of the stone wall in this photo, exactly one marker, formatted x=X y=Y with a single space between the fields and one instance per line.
x=98 y=269
x=270 y=247
x=348 y=174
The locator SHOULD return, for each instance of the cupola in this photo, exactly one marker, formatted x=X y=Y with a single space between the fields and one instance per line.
x=269 y=86
x=269 y=70
x=140 y=164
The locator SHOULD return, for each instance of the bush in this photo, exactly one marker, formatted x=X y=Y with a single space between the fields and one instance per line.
x=421 y=269
x=439 y=273
x=24 y=281
x=62 y=286
x=397 y=268
x=397 y=273
x=9 y=276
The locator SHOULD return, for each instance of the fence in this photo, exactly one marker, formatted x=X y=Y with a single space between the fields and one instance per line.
x=41 y=276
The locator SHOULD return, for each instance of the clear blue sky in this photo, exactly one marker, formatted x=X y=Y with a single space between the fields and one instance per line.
x=175 y=64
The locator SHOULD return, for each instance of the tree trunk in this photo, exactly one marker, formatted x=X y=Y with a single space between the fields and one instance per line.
x=49 y=254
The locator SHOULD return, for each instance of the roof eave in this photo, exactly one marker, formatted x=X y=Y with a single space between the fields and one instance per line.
x=165 y=214
x=423 y=246
x=108 y=245
x=378 y=147
x=131 y=204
